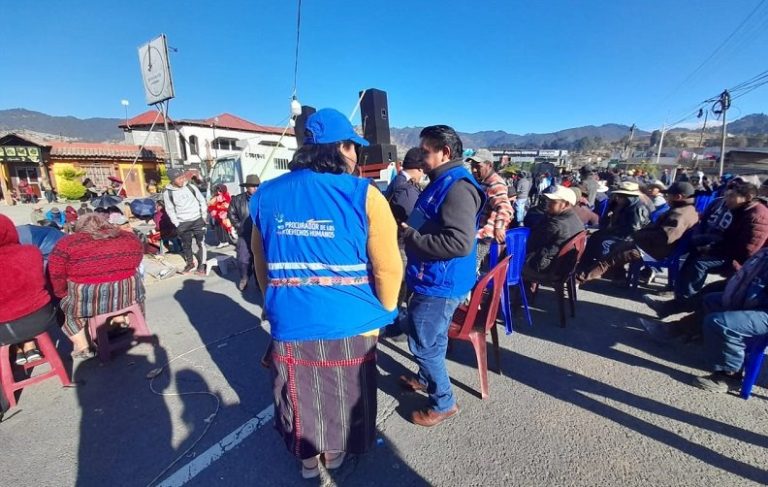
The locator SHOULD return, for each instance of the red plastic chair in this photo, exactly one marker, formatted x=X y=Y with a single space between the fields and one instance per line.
x=98 y=329
x=49 y=356
x=485 y=305
x=564 y=275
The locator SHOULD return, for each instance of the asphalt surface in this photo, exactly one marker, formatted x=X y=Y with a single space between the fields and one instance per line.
x=596 y=403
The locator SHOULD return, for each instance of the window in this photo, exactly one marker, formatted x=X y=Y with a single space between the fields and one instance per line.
x=182 y=148
x=223 y=172
x=281 y=163
x=193 y=145
x=224 y=143
x=271 y=143
x=98 y=173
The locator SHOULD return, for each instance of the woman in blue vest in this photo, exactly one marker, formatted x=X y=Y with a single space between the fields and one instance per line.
x=325 y=253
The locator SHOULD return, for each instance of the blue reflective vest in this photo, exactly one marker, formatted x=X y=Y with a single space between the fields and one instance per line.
x=315 y=231
x=450 y=278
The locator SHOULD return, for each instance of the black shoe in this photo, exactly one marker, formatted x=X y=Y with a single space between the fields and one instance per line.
x=661 y=308
x=33 y=355
x=718 y=382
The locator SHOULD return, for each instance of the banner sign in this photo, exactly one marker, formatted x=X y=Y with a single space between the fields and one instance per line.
x=19 y=154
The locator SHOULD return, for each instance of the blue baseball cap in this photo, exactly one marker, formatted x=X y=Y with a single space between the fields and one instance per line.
x=327 y=126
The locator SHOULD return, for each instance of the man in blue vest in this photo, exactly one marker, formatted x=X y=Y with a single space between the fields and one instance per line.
x=441 y=248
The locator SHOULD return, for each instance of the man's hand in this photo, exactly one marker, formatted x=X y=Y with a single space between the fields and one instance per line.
x=500 y=235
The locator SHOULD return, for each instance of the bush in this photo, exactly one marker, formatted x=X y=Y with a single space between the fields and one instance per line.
x=69 y=186
x=164 y=181
x=71 y=190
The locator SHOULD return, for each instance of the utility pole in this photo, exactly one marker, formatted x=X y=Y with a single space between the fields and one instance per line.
x=629 y=141
x=704 y=128
x=661 y=142
x=725 y=104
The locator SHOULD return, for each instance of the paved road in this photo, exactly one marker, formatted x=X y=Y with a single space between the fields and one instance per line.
x=597 y=403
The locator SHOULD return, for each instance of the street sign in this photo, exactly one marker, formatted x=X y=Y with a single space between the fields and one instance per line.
x=156 y=70
x=19 y=154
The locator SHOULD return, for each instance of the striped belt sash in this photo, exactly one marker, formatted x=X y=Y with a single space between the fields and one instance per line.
x=317 y=274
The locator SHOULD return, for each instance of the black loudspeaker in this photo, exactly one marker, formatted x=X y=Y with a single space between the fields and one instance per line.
x=301 y=122
x=374 y=114
x=378 y=154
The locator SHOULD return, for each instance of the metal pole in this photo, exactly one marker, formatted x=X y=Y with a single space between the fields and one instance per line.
x=167 y=137
x=725 y=103
x=703 y=129
x=661 y=142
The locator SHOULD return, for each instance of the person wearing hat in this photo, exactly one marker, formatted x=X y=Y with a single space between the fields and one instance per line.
x=330 y=271
x=589 y=184
x=497 y=212
x=37 y=214
x=239 y=216
x=56 y=216
x=405 y=188
x=522 y=190
x=625 y=215
x=402 y=194
x=744 y=237
x=547 y=237
x=656 y=239
x=602 y=192
x=582 y=210
x=187 y=209
x=654 y=191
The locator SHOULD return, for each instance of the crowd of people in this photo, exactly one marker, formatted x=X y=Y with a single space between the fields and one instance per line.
x=362 y=264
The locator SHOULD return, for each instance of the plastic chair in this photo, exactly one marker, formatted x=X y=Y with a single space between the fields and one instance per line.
x=564 y=275
x=671 y=263
x=99 y=328
x=464 y=324
x=753 y=360
x=49 y=356
x=516 y=240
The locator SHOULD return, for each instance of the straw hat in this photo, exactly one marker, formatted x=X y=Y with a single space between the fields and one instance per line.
x=628 y=188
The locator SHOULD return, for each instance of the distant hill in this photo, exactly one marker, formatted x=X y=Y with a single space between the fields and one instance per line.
x=106 y=129
x=89 y=129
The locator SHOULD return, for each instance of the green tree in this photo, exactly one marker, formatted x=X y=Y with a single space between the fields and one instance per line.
x=69 y=185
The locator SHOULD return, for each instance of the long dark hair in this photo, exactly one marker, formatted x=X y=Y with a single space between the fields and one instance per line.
x=320 y=158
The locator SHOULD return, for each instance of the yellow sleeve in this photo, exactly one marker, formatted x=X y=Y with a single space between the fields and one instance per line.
x=382 y=249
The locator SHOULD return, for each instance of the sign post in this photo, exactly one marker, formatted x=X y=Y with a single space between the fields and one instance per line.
x=158 y=84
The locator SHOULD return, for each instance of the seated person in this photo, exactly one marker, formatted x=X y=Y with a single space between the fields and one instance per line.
x=548 y=236
x=745 y=235
x=538 y=212
x=25 y=304
x=739 y=313
x=657 y=239
x=97 y=260
x=583 y=211
x=626 y=215
x=56 y=216
x=37 y=214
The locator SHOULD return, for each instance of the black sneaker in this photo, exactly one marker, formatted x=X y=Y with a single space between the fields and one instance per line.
x=33 y=355
x=718 y=382
x=661 y=308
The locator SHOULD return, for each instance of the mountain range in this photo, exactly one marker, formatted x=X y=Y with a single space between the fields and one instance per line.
x=106 y=129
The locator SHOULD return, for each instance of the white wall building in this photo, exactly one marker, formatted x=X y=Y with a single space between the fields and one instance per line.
x=197 y=143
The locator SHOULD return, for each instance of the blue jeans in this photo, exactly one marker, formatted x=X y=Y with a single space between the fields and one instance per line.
x=693 y=276
x=427 y=327
x=520 y=205
x=725 y=332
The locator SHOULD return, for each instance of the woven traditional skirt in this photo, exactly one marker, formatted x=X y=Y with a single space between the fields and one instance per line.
x=84 y=301
x=325 y=394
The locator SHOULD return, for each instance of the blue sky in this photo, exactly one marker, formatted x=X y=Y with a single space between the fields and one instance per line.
x=519 y=66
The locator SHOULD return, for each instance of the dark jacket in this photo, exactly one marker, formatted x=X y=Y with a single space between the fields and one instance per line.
x=453 y=233
x=629 y=219
x=402 y=194
x=745 y=236
x=240 y=215
x=659 y=238
x=548 y=237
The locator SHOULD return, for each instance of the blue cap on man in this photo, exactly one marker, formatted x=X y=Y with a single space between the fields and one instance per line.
x=328 y=126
